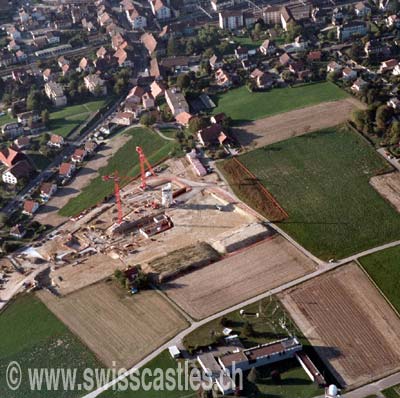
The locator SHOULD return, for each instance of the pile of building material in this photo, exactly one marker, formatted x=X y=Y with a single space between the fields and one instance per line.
x=181 y=261
x=240 y=238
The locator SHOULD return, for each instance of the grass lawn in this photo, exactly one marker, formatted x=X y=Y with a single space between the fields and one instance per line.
x=7 y=118
x=31 y=335
x=63 y=121
x=126 y=161
x=243 y=106
x=392 y=392
x=162 y=361
x=248 y=42
x=294 y=382
x=383 y=268
x=322 y=181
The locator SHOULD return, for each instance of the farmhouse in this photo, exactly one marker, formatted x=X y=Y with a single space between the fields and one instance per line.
x=47 y=190
x=30 y=207
x=212 y=135
x=66 y=170
x=55 y=141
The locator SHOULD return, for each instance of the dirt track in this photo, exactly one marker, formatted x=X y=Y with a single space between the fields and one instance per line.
x=388 y=186
x=298 y=122
x=349 y=323
x=114 y=326
x=238 y=277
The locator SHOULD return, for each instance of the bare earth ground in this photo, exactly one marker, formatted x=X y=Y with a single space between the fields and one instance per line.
x=92 y=269
x=238 y=277
x=114 y=326
x=294 y=123
x=349 y=323
x=48 y=213
x=388 y=186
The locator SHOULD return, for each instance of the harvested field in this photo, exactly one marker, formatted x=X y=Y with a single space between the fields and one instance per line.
x=388 y=185
x=238 y=277
x=349 y=323
x=249 y=189
x=295 y=123
x=117 y=327
x=183 y=260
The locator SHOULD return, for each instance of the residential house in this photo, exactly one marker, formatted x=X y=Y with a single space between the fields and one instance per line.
x=47 y=75
x=333 y=67
x=135 y=95
x=22 y=143
x=95 y=85
x=21 y=56
x=79 y=155
x=394 y=103
x=286 y=18
x=298 y=68
x=18 y=231
x=124 y=118
x=150 y=42
x=241 y=53
x=160 y=9
x=30 y=207
x=90 y=147
x=47 y=190
x=393 y=21
x=285 y=59
x=359 y=85
x=396 y=70
x=314 y=56
x=136 y=20
x=267 y=47
x=222 y=78
x=361 y=9
x=14 y=33
x=10 y=156
x=157 y=89
x=388 y=65
x=84 y=65
x=349 y=74
x=52 y=38
x=12 y=130
x=26 y=117
x=376 y=47
x=176 y=101
x=218 y=118
x=216 y=62
x=22 y=170
x=231 y=19
x=265 y=81
x=101 y=52
x=55 y=141
x=183 y=118
x=66 y=170
x=353 y=28
x=337 y=17
x=55 y=93
x=212 y=135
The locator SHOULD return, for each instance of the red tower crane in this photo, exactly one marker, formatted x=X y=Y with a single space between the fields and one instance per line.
x=115 y=178
x=144 y=162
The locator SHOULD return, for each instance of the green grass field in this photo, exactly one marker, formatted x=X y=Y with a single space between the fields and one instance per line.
x=63 y=121
x=243 y=106
x=126 y=161
x=7 y=118
x=163 y=362
x=322 y=181
x=31 y=335
x=248 y=42
x=392 y=392
x=383 y=268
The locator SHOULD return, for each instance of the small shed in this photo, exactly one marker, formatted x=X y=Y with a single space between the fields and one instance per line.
x=174 y=351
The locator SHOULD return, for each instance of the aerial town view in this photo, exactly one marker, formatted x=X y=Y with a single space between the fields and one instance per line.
x=199 y=198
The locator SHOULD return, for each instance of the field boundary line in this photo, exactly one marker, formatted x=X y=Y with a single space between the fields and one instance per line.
x=263 y=189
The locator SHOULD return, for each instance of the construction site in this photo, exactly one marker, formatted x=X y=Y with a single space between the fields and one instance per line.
x=158 y=216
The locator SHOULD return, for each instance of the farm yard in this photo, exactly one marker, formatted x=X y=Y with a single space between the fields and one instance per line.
x=322 y=181
x=244 y=106
x=31 y=335
x=349 y=324
x=238 y=277
x=126 y=162
x=291 y=124
x=63 y=121
x=117 y=327
x=383 y=268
